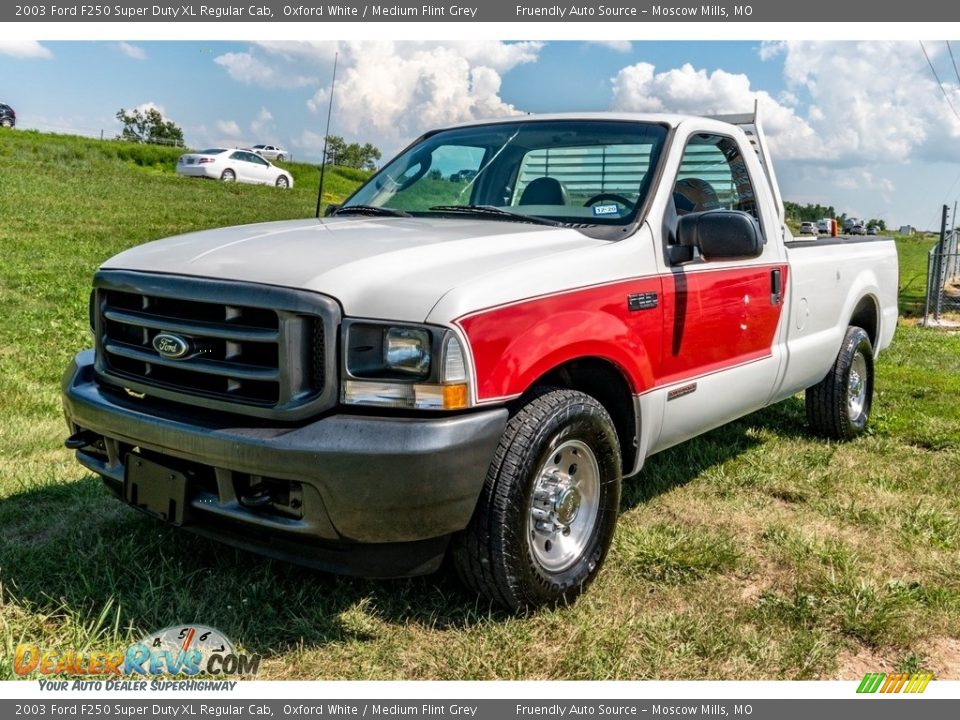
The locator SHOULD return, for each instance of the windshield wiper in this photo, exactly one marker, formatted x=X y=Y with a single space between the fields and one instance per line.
x=370 y=210
x=495 y=212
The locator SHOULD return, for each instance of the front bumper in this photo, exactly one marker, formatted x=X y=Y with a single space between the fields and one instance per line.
x=376 y=496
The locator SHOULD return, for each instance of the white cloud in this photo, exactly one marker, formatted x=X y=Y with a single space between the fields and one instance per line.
x=150 y=105
x=263 y=122
x=229 y=127
x=25 y=49
x=401 y=89
x=135 y=52
x=640 y=88
x=253 y=70
x=875 y=101
x=620 y=46
x=387 y=91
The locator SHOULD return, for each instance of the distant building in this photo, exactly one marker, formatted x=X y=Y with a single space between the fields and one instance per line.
x=907 y=230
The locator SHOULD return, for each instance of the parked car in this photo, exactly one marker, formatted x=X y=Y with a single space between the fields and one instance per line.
x=233 y=165
x=271 y=152
x=8 y=118
x=808 y=228
x=873 y=230
x=857 y=230
x=433 y=369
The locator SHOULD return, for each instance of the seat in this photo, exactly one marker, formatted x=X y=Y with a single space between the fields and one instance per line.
x=694 y=195
x=544 y=191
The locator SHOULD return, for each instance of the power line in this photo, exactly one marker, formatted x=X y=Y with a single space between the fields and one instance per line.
x=939 y=82
x=950 y=50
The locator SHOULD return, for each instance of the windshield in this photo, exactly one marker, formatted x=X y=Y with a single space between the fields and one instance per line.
x=568 y=171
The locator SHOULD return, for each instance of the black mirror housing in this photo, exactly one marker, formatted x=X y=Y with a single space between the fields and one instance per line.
x=330 y=209
x=721 y=234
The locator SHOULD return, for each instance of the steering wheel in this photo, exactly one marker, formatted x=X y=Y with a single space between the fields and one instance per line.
x=608 y=196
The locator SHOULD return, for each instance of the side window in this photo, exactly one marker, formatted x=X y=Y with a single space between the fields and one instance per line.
x=238 y=155
x=253 y=157
x=713 y=175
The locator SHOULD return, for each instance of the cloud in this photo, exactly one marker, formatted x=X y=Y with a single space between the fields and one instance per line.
x=247 y=68
x=263 y=122
x=386 y=91
x=640 y=88
x=876 y=101
x=229 y=127
x=847 y=104
x=25 y=49
x=620 y=46
x=401 y=89
x=135 y=52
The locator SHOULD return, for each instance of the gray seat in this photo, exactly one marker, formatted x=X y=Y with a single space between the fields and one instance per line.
x=544 y=191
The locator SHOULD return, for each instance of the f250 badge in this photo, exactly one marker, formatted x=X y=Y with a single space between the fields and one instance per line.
x=170 y=345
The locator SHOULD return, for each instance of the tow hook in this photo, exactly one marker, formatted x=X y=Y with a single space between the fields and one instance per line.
x=81 y=439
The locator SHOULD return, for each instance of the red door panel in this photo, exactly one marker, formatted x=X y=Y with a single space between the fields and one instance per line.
x=715 y=319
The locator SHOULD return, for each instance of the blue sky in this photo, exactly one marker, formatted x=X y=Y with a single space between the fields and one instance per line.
x=861 y=125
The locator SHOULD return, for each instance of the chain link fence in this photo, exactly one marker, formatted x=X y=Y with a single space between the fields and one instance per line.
x=943 y=277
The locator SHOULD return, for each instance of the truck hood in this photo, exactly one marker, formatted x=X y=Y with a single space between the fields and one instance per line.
x=395 y=268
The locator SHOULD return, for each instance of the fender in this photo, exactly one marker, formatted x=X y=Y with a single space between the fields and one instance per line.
x=514 y=344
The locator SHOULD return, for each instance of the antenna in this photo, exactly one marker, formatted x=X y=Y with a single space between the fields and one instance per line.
x=326 y=134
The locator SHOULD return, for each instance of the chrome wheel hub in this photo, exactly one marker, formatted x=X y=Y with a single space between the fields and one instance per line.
x=857 y=386
x=565 y=506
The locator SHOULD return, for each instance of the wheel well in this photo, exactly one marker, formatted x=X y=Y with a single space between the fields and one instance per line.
x=865 y=316
x=603 y=381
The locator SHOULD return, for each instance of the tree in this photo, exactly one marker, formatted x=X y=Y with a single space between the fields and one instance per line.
x=354 y=155
x=149 y=127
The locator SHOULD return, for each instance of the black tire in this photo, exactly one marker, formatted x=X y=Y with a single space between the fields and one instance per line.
x=280 y=158
x=228 y=175
x=839 y=405
x=283 y=182
x=6 y=122
x=504 y=553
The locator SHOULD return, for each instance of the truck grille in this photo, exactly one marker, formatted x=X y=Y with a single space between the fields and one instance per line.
x=251 y=349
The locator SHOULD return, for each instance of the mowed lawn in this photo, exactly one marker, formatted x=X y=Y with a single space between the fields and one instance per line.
x=754 y=552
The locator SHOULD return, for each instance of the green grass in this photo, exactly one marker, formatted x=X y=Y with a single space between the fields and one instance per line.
x=755 y=551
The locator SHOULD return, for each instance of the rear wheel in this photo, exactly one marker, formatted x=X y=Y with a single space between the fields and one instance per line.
x=280 y=158
x=228 y=175
x=548 y=509
x=839 y=405
x=6 y=122
x=283 y=182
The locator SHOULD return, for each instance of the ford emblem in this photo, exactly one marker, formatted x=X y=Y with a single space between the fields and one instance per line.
x=171 y=346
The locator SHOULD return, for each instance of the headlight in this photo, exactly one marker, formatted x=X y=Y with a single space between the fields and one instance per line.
x=407 y=350
x=403 y=366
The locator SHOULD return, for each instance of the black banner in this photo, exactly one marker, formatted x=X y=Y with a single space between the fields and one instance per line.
x=618 y=11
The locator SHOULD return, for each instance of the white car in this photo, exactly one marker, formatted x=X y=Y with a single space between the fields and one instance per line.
x=233 y=166
x=271 y=152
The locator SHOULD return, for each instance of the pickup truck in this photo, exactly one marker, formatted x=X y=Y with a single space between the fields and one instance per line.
x=468 y=355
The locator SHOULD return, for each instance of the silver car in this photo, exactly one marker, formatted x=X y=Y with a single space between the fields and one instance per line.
x=271 y=152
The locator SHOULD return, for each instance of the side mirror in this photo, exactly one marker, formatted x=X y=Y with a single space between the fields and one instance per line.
x=721 y=234
x=331 y=209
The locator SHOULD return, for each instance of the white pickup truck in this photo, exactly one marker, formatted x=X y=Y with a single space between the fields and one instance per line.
x=471 y=352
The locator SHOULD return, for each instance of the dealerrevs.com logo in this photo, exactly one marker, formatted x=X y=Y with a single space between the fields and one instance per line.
x=176 y=650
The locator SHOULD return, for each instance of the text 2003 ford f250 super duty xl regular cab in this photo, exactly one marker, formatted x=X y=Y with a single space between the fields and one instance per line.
x=471 y=351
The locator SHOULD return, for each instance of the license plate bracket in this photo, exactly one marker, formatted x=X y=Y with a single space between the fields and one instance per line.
x=156 y=489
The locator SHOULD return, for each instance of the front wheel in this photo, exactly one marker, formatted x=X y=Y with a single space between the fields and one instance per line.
x=549 y=505
x=283 y=182
x=839 y=405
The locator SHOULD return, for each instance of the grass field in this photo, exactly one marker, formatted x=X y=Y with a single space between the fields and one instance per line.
x=754 y=552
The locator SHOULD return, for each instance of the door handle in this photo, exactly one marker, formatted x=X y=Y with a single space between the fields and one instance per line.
x=776 y=286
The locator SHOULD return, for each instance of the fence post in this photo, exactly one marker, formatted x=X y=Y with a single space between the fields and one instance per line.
x=938 y=265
